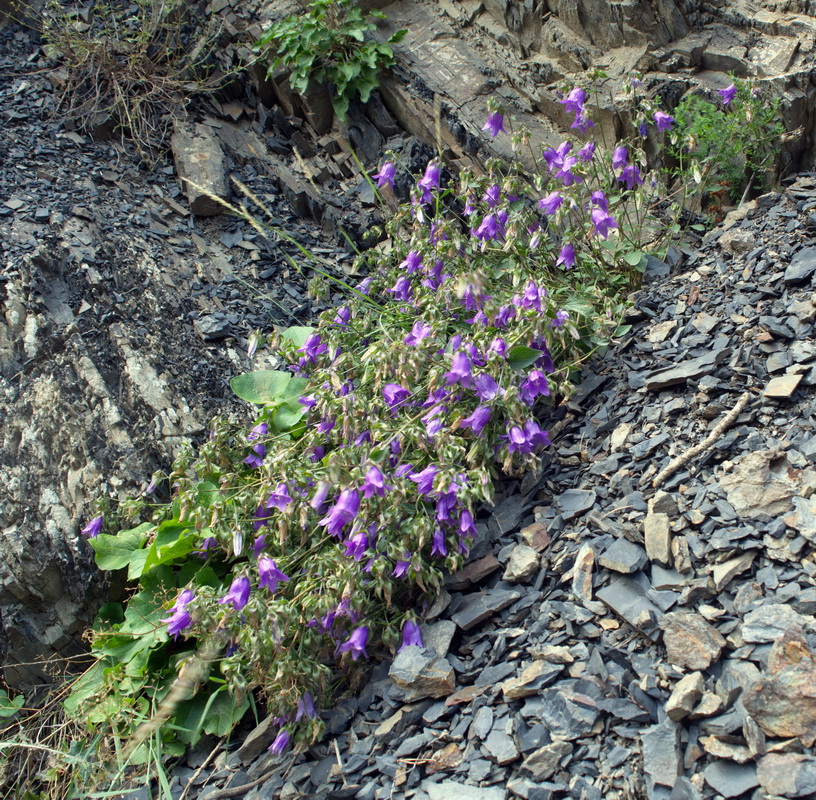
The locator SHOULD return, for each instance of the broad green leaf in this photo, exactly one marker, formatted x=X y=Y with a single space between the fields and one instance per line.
x=398 y=36
x=207 y=493
x=340 y=105
x=136 y=566
x=215 y=713
x=295 y=389
x=262 y=386
x=9 y=706
x=88 y=685
x=298 y=334
x=108 y=616
x=634 y=257
x=115 y=552
x=521 y=356
x=286 y=417
x=173 y=541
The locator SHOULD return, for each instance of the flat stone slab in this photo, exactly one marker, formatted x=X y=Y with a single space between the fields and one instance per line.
x=690 y=370
x=476 y=608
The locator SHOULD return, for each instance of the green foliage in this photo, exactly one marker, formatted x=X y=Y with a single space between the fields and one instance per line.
x=328 y=44
x=9 y=706
x=727 y=145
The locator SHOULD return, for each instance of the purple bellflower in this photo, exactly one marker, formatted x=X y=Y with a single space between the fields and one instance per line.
x=599 y=199
x=487 y=388
x=574 y=102
x=385 y=177
x=430 y=180
x=356 y=546
x=492 y=195
x=419 y=330
x=461 y=371
x=631 y=176
x=536 y=385
x=374 y=483
x=411 y=636
x=587 y=152
x=439 y=547
x=728 y=94
x=412 y=262
x=663 y=120
x=93 y=528
x=271 y=576
x=566 y=256
x=238 y=594
x=551 y=203
x=401 y=568
x=620 y=155
x=495 y=124
x=279 y=498
x=402 y=289
x=343 y=512
x=602 y=222
x=560 y=320
x=281 y=742
x=356 y=643
x=477 y=420
x=395 y=395
x=305 y=707
x=424 y=479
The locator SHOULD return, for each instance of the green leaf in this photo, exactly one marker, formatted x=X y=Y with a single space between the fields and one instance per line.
x=521 y=356
x=215 y=713
x=116 y=552
x=262 y=386
x=398 y=36
x=88 y=685
x=298 y=334
x=286 y=417
x=173 y=541
x=9 y=706
x=634 y=257
x=207 y=493
x=340 y=105
x=110 y=615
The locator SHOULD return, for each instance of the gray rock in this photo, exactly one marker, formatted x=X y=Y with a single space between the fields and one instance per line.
x=787 y=775
x=210 y=327
x=657 y=538
x=661 y=754
x=575 y=502
x=729 y=779
x=690 y=370
x=421 y=674
x=623 y=556
x=451 y=790
x=500 y=747
x=476 y=608
x=768 y=622
x=543 y=763
x=684 y=789
x=566 y=711
x=482 y=722
x=627 y=598
x=438 y=636
x=802 y=266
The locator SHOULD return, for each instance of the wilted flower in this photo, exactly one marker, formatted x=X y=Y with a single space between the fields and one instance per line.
x=385 y=177
x=728 y=94
x=411 y=636
x=356 y=643
x=93 y=528
x=270 y=574
x=494 y=124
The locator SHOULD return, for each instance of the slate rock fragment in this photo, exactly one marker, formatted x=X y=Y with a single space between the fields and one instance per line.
x=769 y=621
x=451 y=790
x=543 y=763
x=787 y=774
x=522 y=566
x=476 y=608
x=691 y=642
x=661 y=754
x=657 y=538
x=421 y=674
x=575 y=502
x=628 y=599
x=801 y=267
x=729 y=779
x=623 y=556
x=685 y=696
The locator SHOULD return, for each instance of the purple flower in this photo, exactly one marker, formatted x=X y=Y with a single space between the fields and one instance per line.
x=460 y=371
x=439 y=548
x=535 y=435
x=305 y=707
x=477 y=420
x=535 y=386
x=385 y=177
x=309 y=401
x=238 y=593
x=419 y=330
x=341 y=319
x=424 y=479
x=631 y=176
x=281 y=742
x=320 y=496
x=728 y=94
x=261 y=517
x=599 y=199
x=395 y=395
x=489 y=229
x=412 y=262
x=467 y=527
x=566 y=256
x=401 y=569
x=602 y=223
x=643 y=129
x=374 y=483
x=343 y=512
x=411 y=636
x=445 y=505
x=364 y=285
x=560 y=319
x=499 y=346
x=402 y=289
x=270 y=574
x=619 y=157
x=494 y=124
x=356 y=643
x=505 y=315
x=430 y=180
x=356 y=546
x=208 y=544
x=317 y=453
x=586 y=152
x=93 y=528
x=177 y=622
x=574 y=101
x=486 y=387
x=403 y=470
x=663 y=120
x=492 y=195
x=582 y=122
x=279 y=498
x=258 y=545
x=313 y=347
x=470 y=206
x=551 y=203
x=544 y=361
x=532 y=297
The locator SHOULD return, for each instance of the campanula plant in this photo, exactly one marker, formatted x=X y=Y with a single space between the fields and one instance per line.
x=306 y=543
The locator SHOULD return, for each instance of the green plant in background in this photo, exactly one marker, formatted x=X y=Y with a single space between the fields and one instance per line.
x=730 y=144
x=328 y=44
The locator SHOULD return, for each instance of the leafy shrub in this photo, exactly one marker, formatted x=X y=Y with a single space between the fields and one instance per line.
x=732 y=143
x=328 y=44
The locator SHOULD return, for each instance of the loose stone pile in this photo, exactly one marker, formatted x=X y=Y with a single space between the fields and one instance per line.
x=609 y=638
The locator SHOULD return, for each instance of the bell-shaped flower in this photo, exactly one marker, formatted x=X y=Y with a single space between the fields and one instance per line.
x=356 y=644
x=93 y=528
x=305 y=707
x=477 y=420
x=402 y=289
x=566 y=256
x=271 y=576
x=394 y=395
x=439 y=548
x=620 y=156
x=419 y=330
x=279 y=498
x=587 y=152
x=574 y=101
x=551 y=203
x=487 y=388
x=385 y=177
x=602 y=222
x=535 y=386
x=424 y=479
x=412 y=262
x=460 y=371
x=494 y=124
x=238 y=594
x=281 y=742
x=663 y=120
x=374 y=483
x=728 y=94
x=343 y=512
x=430 y=180
x=411 y=637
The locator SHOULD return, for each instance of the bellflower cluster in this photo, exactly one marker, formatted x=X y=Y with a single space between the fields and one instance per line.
x=255 y=459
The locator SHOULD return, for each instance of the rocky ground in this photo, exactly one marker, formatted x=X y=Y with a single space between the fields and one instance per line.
x=609 y=637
